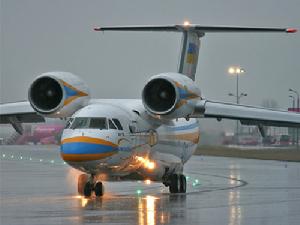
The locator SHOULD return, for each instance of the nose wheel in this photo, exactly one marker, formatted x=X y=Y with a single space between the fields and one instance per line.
x=88 y=185
x=177 y=183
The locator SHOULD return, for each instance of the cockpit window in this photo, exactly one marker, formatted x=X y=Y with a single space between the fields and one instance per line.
x=112 y=125
x=80 y=122
x=89 y=123
x=118 y=124
x=69 y=122
x=98 y=123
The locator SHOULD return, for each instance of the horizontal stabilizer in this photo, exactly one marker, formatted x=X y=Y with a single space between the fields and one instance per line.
x=194 y=27
x=190 y=44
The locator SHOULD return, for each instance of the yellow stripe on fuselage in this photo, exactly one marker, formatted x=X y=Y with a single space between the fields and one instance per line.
x=85 y=157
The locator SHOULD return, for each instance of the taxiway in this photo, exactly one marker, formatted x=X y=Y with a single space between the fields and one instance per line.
x=37 y=187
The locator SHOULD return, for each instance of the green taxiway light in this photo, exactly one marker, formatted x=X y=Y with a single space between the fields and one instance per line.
x=139 y=191
x=20 y=157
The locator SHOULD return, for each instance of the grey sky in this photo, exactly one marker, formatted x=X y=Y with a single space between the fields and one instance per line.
x=47 y=35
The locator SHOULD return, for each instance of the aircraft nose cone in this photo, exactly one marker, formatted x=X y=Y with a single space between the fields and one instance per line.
x=82 y=148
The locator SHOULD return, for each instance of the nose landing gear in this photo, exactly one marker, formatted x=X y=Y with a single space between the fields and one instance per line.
x=176 y=183
x=87 y=185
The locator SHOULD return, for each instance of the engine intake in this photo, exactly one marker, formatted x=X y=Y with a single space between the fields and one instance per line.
x=170 y=95
x=160 y=96
x=58 y=94
x=46 y=94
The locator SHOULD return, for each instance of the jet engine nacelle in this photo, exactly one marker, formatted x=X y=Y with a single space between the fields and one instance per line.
x=170 y=96
x=58 y=94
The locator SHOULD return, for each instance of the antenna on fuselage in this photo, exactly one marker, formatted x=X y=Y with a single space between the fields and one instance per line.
x=190 y=43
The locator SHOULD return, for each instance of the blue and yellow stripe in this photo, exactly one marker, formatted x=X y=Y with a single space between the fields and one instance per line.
x=72 y=93
x=185 y=95
x=82 y=148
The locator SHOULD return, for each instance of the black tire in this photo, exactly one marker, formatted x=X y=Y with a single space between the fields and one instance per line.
x=87 y=192
x=174 y=184
x=82 y=180
x=99 y=189
x=182 y=183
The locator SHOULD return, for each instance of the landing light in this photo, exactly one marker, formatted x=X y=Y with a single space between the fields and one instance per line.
x=146 y=162
x=150 y=165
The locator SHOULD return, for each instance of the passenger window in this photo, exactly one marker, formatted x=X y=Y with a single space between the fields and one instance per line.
x=79 y=122
x=118 y=124
x=98 y=123
x=111 y=125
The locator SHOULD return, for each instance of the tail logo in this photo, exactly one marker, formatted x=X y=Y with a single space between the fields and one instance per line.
x=192 y=54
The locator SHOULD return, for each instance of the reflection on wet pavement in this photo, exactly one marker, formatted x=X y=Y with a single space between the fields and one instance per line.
x=220 y=191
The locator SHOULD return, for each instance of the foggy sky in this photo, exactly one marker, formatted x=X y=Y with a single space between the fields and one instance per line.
x=57 y=35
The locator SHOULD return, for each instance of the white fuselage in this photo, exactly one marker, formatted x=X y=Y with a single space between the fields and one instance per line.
x=140 y=148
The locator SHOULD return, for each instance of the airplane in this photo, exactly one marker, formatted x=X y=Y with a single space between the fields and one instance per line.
x=42 y=133
x=137 y=139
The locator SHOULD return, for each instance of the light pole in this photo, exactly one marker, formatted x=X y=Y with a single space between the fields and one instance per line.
x=236 y=70
x=298 y=103
x=294 y=139
x=233 y=70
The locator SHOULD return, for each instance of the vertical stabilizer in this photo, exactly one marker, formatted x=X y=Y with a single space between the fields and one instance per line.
x=188 y=60
x=191 y=39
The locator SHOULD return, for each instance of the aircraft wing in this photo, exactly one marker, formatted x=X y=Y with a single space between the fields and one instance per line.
x=248 y=115
x=17 y=113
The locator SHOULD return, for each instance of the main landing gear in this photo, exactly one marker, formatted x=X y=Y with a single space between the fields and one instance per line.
x=176 y=183
x=87 y=185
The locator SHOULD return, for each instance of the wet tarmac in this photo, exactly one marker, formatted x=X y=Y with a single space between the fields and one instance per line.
x=38 y=188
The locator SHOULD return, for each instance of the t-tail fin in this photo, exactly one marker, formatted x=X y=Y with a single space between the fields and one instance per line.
x=191 y=39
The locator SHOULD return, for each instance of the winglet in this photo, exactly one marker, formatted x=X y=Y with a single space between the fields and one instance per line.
x=291 y=30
